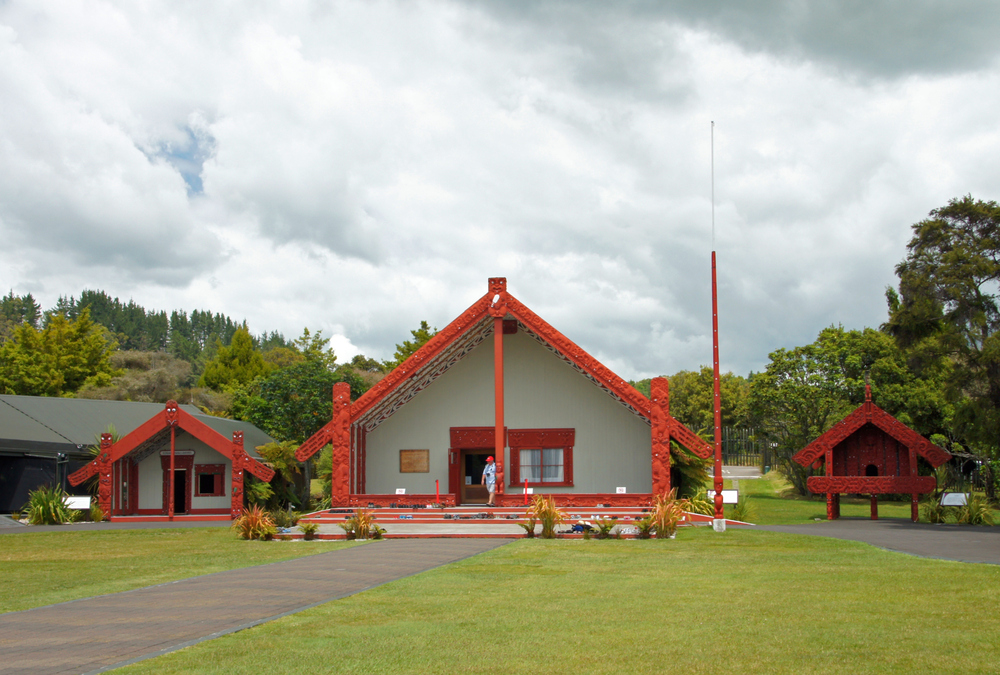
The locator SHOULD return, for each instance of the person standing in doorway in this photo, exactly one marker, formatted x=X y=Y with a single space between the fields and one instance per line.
x=490 y=480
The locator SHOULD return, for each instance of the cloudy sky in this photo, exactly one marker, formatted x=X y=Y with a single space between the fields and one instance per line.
x=356 y=167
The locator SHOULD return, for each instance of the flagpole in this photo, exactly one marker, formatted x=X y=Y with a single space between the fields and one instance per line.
x=719 y=523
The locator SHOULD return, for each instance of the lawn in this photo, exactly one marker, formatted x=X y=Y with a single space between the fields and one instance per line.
x=775 y=504
x=739 y=602
x=41 y=568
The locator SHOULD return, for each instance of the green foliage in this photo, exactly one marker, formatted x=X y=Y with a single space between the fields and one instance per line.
x=257 y=492
x=645 y=527
x=255 y=523
x=281 y=458
x=977 y=511
x=693 y=469
x=946 y=315
x=543 y=509
x=743 y=510
x=283 y=517
x=16 y=310
x=47 y=506
x=667 y=513
x=605 y=526
x=236 y=365
x=57 y=360
x=144 y=376
x=931 y=510
x=405 y=350
x=692 y=398
x=309 y=530
x=292 y=404
x=362 y=525
x=529 y=527
x=700 y=504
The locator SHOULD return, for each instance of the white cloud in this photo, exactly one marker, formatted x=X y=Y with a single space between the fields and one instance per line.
x=358 y=167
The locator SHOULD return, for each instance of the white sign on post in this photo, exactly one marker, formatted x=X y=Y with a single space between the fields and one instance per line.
x=529 y=491
x=954 y=498
x=728 y=496
x=620 y=490
x=400 y=491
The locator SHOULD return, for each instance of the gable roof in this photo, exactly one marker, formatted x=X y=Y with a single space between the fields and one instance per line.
x=869 y=413
x=149 y=436
x=465 y=333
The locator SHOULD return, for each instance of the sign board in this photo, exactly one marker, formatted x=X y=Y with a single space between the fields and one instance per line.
x=400 y=491
x=82 y=503
x=414 y=461
x=728 y=496
x=620 y=490
x=529 y=491
x=954 y=498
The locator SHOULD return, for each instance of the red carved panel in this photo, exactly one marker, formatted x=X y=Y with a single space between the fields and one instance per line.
x=577 y=500
x=382 y=501
x=172 y=410
x=541 y=438
x=872 y=484
x=509 y=326
x=659 y=418
x=104 y=464
x=340 y=440
x=470 y=438
x=239 y=457
x=690 y=440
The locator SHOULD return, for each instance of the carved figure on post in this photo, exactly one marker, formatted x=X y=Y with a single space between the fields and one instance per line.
x=340 y=441
x=659 y=390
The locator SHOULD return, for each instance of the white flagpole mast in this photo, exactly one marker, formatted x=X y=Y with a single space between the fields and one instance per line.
x=719 y=523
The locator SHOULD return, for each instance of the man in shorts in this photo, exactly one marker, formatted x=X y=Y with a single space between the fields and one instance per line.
x=490 y=480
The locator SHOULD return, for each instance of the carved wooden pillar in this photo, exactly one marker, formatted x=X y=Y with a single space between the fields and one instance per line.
x=914 y=497
x=236 y=476
x=340 y=441
x=659 y=398
x=498 y=310
x=171 y=415
x=832 y=501
x=104 y=475
x=874 y=507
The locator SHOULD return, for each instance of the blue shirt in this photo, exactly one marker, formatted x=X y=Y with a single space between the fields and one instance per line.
x=490 y=473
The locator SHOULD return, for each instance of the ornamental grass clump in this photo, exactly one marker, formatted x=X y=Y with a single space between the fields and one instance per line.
x=362 y=526
x=931 y=510
x=605 y=527
x=529 y=528
x=255 y=523
x=668 y=512
x=309 y=530
x=47 y=506
x=977 y=511
x=544 y=511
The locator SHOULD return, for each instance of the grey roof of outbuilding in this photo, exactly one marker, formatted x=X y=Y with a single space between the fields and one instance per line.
x=46 y=425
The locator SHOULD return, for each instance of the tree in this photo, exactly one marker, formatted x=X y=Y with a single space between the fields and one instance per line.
x=692 y=398
x=946 y=315
x=57 y=360
x=236 y=365
x=403 y=351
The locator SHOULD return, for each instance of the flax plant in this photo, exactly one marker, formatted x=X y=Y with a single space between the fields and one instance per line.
x=255 y=523
x=544 y=510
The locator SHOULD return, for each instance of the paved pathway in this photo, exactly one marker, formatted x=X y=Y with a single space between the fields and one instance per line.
x=110 y=631
x=964 y=543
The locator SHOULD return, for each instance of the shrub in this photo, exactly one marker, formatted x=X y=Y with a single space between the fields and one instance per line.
x=667 y=512
x=605 y=527
x=284 y=517
x=529 y=528
x=362 y=526
x=255 y=523
x=645 y=527
x=258 y=492
x=977 y=511
x=309 y=530
x=544 y=511
x=96 y=513
x=47 y=506
x=932 y=511
x=700 y=504
x=743 y=511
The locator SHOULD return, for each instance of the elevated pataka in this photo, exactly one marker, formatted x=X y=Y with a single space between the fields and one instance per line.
x=500 y=381
x=870 y=452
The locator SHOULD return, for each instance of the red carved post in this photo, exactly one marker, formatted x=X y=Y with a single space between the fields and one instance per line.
x=717 y=399
x=236 y=477
x=171 y=417
x=914 y=511
x=104 y=475
x=498 y=310
x=831 y=507
x=340 y=440
x=659 y=398
x=874 y=507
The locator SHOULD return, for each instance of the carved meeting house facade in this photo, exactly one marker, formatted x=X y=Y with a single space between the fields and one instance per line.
x=500 y=381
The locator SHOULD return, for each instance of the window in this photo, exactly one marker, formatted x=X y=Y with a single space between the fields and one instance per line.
x=210 y=480
x=541 y=456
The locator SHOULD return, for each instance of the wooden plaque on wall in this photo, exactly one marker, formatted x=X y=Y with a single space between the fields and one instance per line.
x=414 y=461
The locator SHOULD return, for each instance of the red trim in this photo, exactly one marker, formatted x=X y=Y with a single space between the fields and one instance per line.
x=498 y=431
x=872 y=484
x=472 y=438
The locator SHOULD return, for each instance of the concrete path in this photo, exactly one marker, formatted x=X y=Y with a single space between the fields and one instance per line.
x=110 y=631
x=963 y=543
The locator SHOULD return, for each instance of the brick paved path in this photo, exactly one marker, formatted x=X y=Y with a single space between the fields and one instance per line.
x=109 y=631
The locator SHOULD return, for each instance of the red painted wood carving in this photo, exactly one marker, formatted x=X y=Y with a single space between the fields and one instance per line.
x=541 y=438
x=470 y=438
x=382 y=501
x=340 y=441
x=659 y=417
x=877 y=485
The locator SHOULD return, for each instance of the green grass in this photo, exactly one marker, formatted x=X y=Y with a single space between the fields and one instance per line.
x=775 y=504
x=739 y=602
x=41 y=568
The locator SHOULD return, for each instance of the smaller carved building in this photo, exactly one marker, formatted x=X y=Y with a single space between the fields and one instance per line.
x=870 y=452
